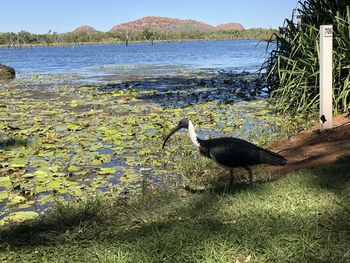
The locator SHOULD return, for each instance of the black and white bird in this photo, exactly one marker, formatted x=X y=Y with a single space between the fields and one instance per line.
x=229 y=152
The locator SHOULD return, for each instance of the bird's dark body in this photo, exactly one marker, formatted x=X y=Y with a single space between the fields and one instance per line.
x=233 y=152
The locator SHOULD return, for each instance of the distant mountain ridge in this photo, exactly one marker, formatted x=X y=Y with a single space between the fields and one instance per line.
x=230 y=26
x=85 y=29
x=165 y=24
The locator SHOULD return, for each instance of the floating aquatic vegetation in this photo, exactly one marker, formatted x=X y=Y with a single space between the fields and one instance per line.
x=82 y=138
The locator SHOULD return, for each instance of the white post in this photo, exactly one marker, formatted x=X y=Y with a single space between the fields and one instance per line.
x=326 y=79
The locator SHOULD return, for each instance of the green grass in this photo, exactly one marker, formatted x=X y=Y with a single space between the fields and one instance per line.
x=296 y=217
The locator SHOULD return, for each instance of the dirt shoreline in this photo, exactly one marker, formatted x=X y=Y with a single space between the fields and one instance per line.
x=311 y=148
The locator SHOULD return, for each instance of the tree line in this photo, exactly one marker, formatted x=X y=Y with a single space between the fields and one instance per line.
x=12 y=39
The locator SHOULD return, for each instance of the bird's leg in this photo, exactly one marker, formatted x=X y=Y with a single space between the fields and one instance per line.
x=231 y=177
x=251 y=175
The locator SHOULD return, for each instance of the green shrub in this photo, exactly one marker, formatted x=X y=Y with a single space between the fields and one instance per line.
x=293 y=65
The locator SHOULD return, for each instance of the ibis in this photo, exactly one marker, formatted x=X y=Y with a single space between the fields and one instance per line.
x=230 y=152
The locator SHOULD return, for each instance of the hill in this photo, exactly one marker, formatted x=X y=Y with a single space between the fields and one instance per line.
x=169 y=24
x=230 y=26
x=85 y=29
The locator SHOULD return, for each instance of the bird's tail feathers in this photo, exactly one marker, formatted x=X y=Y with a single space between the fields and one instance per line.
x=272 y=158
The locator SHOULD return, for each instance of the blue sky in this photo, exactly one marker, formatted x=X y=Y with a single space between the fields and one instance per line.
x=40 y=16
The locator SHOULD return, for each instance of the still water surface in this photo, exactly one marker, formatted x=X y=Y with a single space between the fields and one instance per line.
x=237 y=55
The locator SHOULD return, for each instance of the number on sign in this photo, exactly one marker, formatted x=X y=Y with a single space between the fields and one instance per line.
x=328 y=32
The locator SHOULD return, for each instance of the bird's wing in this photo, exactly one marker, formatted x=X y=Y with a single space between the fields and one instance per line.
x=234 y=152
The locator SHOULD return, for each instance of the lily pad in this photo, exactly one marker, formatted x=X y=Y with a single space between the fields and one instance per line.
x=73 y=127
x=18 y=164
x=17 y=199
x=40 y=174
x=19 y=217
x=54 y=168
x=73 y=168
x=3 y=195
x=104 y=171
x=5 y=181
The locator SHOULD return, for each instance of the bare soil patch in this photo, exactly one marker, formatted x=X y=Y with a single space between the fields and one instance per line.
x=312 y=148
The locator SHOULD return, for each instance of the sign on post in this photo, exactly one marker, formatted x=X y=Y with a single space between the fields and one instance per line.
x=326 y=78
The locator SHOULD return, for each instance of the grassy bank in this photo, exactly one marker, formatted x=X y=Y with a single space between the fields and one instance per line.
x=295 y=217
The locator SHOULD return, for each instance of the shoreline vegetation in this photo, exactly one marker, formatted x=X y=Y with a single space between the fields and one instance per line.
x=26 y=39
x=107 y=136
x=293 y=66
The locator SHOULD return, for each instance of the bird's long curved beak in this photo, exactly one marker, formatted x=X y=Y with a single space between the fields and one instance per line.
x=171 y=133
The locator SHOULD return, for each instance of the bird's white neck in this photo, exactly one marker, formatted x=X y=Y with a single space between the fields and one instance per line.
x=193 y=135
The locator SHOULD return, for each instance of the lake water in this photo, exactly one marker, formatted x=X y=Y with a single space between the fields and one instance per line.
x=237 y=55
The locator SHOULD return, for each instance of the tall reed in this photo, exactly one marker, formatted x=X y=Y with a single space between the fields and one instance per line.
x=292 y=69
